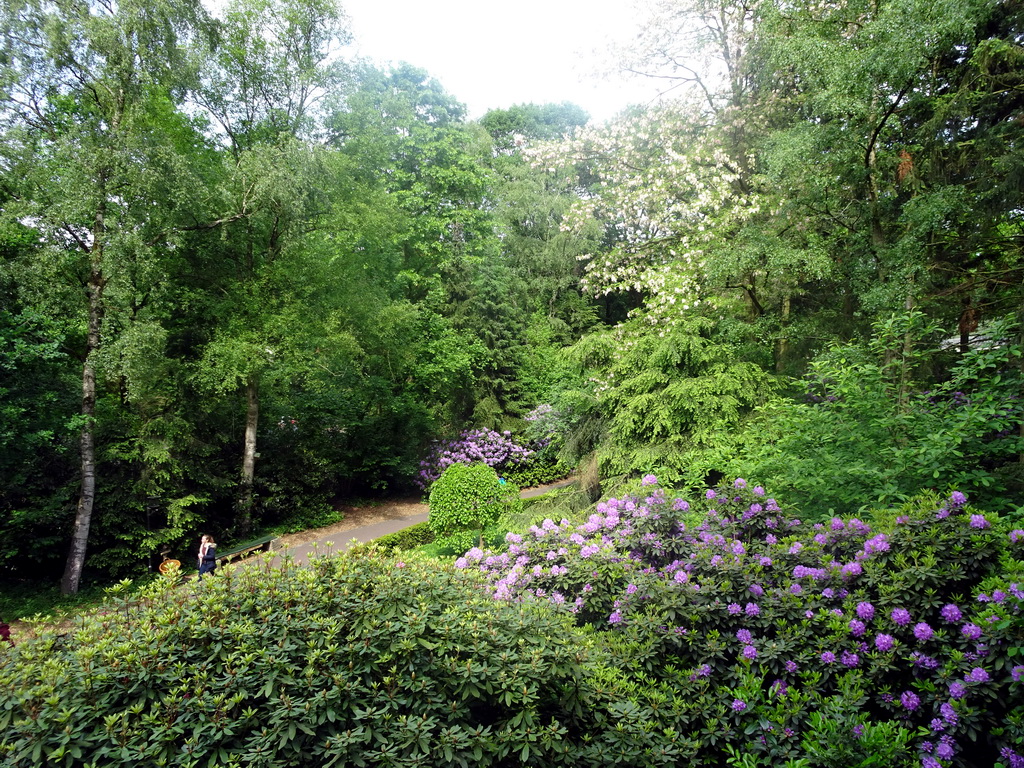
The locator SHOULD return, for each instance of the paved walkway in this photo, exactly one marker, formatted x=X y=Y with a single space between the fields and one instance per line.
x=339 y=542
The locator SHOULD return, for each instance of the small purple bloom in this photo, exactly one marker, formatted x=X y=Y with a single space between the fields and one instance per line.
x=957 y=499
x=948 y=713
x=865 y=611
x=852 y=569
x=752 y=609
x=734 y=608
x=901 y=616
x=749 y=652
x=1017 y=673
x=744 y=636
x=979 y=522
x=649 y=480
x=828 y=657
x=884 y=643
x=910 y=700
x=857 y=627
x=957 y=690
x=738 y=705
x=977 y=675
x=739 y=483
x=850 y=659
x=923 y=661
x=791 y=666
x=971 y=631
x=923 y=632
x=951 y=613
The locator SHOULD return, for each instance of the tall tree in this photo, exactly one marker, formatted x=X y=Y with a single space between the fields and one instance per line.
x=87 y=86
x=263 y=88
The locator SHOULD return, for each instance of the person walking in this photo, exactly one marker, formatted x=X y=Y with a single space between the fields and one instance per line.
x=207 y=555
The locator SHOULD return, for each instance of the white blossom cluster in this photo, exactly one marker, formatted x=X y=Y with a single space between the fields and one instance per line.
x=665 y=187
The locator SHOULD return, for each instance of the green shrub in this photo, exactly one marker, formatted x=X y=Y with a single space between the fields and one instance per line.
x=464 y=501
x=536 y=470
x=857 y=439
x=905 y=633
x=408 y=538
x=355 y=660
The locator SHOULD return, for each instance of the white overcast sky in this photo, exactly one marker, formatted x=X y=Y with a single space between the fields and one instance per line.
x=493 y=55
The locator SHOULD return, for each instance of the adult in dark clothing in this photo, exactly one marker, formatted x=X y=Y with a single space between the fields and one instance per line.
x=207 y=555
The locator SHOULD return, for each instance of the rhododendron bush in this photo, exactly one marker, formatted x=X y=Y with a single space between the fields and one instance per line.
x=900 y=638
x=495 y=449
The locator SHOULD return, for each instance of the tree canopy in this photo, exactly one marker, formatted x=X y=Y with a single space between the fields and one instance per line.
x=244 y=275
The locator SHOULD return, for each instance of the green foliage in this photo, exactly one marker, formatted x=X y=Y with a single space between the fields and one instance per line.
x=536 y=470
x=839 y=733
x=408 y=538
x=464 y=501
x=511 y=128
x=260 y=652
x=862 y=436
x=656 y=393
x=356 y=659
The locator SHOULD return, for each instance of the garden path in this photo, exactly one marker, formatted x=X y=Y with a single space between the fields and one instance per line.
x=364 y=524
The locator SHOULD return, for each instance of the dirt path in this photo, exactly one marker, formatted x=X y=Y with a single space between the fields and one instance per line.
x=392 y=509
x=359 y=517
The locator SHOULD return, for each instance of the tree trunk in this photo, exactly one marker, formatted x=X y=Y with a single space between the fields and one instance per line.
x=243 y=517
x=87 y=442
x=907 y=352
x=782 y=345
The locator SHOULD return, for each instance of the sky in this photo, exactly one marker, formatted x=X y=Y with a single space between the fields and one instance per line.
x=492 y=55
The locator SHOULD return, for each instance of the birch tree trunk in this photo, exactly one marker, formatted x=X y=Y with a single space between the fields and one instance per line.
x=87 y=442
x=252 y=414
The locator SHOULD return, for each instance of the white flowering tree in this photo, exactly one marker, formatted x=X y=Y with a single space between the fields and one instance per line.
x=686 y=210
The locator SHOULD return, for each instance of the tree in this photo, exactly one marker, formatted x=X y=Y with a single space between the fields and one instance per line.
x=513 y=127
x=87 y=90
x=464 y=500
x=401 y=128
x=263 y=88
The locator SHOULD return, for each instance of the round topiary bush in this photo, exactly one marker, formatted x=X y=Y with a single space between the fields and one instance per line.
x=465 y=500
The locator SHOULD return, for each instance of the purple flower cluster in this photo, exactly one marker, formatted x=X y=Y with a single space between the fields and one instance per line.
x=495 y=449
x=632 y=557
